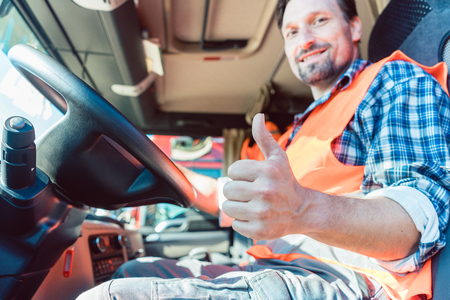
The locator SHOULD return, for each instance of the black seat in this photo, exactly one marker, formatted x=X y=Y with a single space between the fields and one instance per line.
x=421 y=29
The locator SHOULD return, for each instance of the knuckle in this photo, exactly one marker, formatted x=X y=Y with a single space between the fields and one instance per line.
x=231 y=170
x=284 y=156
x=257 y=213
x=262 y=213
x=236 y=168
x=238 y=228
x=271 y=168
x=265 y=192
x=235 y=226
x=259 y=233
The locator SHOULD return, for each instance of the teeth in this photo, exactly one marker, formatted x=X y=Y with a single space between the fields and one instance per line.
x=306 y=58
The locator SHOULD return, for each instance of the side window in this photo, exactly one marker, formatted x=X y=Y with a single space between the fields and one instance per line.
x=203 y=155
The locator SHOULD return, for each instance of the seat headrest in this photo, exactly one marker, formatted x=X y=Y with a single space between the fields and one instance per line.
x=419 y=28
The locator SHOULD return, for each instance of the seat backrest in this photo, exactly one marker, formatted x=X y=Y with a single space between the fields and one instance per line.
x=440 y=267
x=421 y=29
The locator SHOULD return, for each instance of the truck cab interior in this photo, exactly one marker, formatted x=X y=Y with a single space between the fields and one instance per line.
x=120 y=90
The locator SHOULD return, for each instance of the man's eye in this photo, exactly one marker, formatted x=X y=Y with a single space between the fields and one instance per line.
x=291 y=33
x=320 y=21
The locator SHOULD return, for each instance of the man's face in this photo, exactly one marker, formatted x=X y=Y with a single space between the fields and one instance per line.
x=319 y=43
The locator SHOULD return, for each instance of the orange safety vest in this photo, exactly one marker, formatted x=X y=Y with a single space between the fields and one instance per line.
x=315 y=166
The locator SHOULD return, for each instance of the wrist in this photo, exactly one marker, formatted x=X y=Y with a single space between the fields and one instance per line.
x=302 y=219
x=314 y=213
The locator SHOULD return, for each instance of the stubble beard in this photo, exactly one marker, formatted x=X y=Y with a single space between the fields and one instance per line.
x=317 y=74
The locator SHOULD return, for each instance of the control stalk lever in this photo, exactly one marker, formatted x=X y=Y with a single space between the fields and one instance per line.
x=18 y=166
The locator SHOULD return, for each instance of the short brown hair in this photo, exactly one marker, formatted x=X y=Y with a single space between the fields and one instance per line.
x=348 y=8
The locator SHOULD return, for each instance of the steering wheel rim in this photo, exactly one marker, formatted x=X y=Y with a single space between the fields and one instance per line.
x=88 y=120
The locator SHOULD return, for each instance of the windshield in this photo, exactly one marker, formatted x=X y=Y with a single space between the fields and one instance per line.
x=17 y=96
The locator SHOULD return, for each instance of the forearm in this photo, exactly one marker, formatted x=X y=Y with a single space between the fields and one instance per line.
x=378 y=228
x=206 y=190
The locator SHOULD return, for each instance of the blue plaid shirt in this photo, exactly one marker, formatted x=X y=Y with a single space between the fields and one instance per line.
x=401 y=134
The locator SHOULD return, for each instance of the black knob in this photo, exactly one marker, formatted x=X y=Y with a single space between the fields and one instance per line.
x=99 y=244
x=18 y=154
x=117 y=242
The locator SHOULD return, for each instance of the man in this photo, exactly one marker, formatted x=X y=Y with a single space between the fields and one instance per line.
x=359 y=198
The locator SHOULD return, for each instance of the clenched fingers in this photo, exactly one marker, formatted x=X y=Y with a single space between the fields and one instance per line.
x=238 y=210
x=238 y=190
x=247 y=170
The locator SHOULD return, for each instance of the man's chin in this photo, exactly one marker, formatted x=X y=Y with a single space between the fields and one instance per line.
x=316 y=79
x=314 y=75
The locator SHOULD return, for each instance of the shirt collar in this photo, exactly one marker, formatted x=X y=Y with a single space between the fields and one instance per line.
x=341 y=84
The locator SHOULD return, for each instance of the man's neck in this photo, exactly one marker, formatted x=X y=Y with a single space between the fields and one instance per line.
x=319 y=90
x=322 y=88
x=318 y=93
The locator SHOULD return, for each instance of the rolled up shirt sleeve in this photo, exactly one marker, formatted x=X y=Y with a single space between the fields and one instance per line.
x=424 y=216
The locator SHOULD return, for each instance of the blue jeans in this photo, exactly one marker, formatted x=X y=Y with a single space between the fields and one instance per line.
x=265 y=279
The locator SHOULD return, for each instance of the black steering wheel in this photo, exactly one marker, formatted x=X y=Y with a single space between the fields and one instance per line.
x=95 y=155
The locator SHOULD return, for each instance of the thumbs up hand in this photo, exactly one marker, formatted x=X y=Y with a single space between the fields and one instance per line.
x=264 y=196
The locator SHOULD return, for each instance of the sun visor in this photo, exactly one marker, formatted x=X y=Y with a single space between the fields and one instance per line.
x=209 y=29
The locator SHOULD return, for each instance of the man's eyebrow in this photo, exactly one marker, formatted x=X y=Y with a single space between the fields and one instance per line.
x=311 y=15
x=289 y=25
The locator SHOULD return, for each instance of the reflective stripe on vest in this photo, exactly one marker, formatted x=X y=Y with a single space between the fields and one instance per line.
x=315 y=166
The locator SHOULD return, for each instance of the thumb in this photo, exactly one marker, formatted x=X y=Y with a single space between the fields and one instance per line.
x=266 y=143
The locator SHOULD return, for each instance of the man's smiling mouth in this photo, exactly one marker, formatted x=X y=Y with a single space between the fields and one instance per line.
x=308 y=56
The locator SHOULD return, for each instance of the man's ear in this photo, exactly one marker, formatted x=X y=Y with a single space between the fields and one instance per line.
x=356 y=28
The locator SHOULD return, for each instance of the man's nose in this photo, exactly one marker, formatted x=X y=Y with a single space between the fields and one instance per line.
x=305 y=38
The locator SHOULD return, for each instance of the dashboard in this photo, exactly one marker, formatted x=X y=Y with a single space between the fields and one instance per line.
x=99 y=251
x=106 y=254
